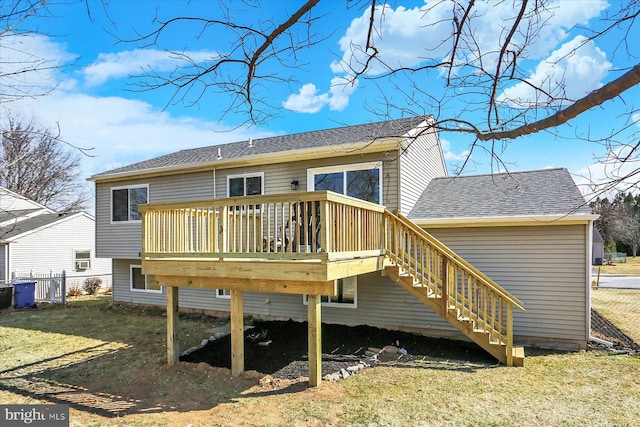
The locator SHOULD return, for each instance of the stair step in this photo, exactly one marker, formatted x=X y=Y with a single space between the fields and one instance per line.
x=518 y=356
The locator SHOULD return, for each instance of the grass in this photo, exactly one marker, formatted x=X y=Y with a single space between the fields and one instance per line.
x=632 y=267
x=108 y=363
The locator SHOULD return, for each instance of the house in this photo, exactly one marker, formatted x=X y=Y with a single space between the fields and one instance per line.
x=294 y=225
x=598 y=247
x=37 y=241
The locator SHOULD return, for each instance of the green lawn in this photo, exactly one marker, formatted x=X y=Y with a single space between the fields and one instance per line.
x=632 y=267
x=108 y=363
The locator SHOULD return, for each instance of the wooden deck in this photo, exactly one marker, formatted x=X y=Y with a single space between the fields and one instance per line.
x=301 y=243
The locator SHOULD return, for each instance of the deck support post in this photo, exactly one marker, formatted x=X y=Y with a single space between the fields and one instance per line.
x=237 y=333
x=509 y=335
x=172 y=325
x=315 y=340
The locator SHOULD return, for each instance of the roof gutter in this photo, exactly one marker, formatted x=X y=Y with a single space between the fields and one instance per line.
x=258 y=159
x=496 y=221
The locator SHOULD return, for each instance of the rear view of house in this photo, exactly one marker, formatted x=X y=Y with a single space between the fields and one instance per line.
x=279 y=227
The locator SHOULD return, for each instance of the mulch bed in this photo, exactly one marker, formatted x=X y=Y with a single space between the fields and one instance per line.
x=342 y=346
x=603 y=329
x=285 y=356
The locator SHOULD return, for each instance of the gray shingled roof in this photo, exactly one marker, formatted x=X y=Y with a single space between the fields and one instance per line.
x=533 y=193
x=8 y=215
x=30 y=224
x=320 y=138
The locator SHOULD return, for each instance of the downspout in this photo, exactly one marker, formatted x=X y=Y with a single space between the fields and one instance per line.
x=214 y=183
x=7 y=267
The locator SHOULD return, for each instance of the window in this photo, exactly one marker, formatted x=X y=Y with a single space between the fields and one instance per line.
x=360 y=180
x=125 y=202
x=223 y=293
x=245 y=185
x=82 y=259
x=141 y=282
x=347 y=294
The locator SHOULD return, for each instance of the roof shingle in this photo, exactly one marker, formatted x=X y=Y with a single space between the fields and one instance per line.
x=341 y=136
x=532 y=193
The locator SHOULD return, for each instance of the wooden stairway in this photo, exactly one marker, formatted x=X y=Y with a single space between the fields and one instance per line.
x=462 y=295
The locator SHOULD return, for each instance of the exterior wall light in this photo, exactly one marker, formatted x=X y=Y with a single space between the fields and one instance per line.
x=294 y=185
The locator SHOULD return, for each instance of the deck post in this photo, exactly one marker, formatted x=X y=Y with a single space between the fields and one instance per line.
x=315 y=340
x=172 y=325
x=325 y=227
x=509 y=334
x=237 y=333
x=445 y=286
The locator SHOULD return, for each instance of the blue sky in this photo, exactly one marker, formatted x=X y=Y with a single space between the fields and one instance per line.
x=98 y=105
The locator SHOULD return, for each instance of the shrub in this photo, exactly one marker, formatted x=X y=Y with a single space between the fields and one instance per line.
x=91 y=285
x=74 y=292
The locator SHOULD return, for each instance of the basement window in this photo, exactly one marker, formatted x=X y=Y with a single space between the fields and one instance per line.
x=347 y=294
x=142 y=282
x=223 y=293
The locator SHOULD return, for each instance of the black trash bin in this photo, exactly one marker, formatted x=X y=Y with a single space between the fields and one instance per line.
x=6 y=294
x=24 y=293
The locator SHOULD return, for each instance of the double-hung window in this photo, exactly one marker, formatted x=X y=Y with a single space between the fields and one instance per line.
x=125 y=202
x=141 y=282
x=362 y=180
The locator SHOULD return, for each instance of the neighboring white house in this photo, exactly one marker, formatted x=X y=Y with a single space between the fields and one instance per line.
x=37 y=241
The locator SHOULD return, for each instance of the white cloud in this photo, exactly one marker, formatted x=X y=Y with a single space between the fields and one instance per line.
x=119 y=131
x=30 y=65
x=610 y=175
x=308 y=100
x=402 y=35
x=122 y=64
x=572 y=71
x=341 y=89
x=449 y=155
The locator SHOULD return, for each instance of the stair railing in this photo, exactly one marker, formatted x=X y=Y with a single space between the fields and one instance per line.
x=440 y=273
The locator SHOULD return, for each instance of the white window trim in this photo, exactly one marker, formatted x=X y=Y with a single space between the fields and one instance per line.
x=245 y=176
x=222 y=296
x=75 y=260
x=122 y=187
x=146 y=285
x=311 y=172
x=305 y=298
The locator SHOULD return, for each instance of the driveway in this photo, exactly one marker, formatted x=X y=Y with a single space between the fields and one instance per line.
x=613 y=281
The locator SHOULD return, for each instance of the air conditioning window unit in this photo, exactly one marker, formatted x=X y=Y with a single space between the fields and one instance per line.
x=82 y=265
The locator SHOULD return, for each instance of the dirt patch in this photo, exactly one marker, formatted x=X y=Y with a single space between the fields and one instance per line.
x=603 y=329
x=279 y=348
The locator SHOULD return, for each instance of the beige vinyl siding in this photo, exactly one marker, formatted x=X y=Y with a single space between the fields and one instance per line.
x=278 y=177
x=122 y=285
x=380 y=302
x=543 y=266
x=52 y=248
x=419 y=164
x=124 y=240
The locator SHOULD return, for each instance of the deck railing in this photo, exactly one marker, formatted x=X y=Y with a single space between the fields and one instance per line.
x=318 y=224
x=440 y=273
